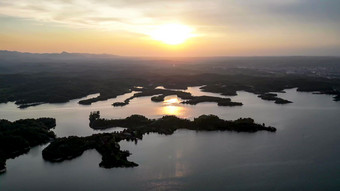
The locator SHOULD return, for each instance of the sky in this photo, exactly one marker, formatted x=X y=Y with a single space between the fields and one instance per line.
x=217 y=27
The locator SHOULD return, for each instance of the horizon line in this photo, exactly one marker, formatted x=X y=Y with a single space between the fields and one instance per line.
x=115 y=55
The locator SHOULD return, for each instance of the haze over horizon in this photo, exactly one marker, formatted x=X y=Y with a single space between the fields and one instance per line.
x=109 y=55
x=172 y=28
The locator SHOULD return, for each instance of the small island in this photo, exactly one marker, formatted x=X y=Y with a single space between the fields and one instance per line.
x=16 y=138
x=273 y=97
x=220 y=101
x=121 y=104
x=24 y=106
x=107 y=144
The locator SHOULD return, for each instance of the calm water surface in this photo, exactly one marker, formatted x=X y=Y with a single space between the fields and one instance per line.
x=302 y=155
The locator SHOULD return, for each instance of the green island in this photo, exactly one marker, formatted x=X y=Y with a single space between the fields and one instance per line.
x=273 y=97
x=169 y=124
x=220 y=101
x=160 y=94
x=23 y=106
x=16 y=138
x=121 y=104
x=107 y=144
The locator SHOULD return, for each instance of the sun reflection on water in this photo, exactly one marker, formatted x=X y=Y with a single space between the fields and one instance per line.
x=171 y=110
x=172 y=106
x=171 y=101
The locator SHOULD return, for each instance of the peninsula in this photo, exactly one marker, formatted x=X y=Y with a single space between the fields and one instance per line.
x=136 y=126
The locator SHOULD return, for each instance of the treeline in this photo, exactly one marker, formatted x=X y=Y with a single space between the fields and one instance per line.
x=19 y=136
x=160 y=94
x=57 y=84
x=169 y=124
x=106 y=144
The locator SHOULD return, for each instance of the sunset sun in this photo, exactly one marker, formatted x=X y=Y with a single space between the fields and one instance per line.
x=172 y=34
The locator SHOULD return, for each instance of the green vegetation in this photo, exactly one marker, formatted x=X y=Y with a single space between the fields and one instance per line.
x=262 y=85
x=18 y=137
x=160 y=94
x=273 y=97
x=23 y=106
x=121 y=104
x=133 y=121
x=159 y=98
x=168 y=124
x=220 y=101
x=29 y=82
x=106 y=144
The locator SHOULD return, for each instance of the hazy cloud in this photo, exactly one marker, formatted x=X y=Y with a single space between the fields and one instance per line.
x=128 y=13
x=305 y=21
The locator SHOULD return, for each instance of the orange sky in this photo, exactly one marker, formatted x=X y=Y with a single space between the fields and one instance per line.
x=219 y=27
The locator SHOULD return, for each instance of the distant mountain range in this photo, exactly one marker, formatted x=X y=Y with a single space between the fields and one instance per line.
x=321 y=66
x=6 y=55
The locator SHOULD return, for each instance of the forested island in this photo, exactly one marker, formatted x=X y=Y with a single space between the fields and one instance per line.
x=107 y=144
x=273 y=97
x=168 y=124
x=160 y=94
x=16 y=138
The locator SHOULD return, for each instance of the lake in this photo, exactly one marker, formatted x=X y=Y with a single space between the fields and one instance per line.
x=302 y=155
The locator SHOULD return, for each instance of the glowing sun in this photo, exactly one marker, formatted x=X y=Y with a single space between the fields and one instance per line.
x=172 y=34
